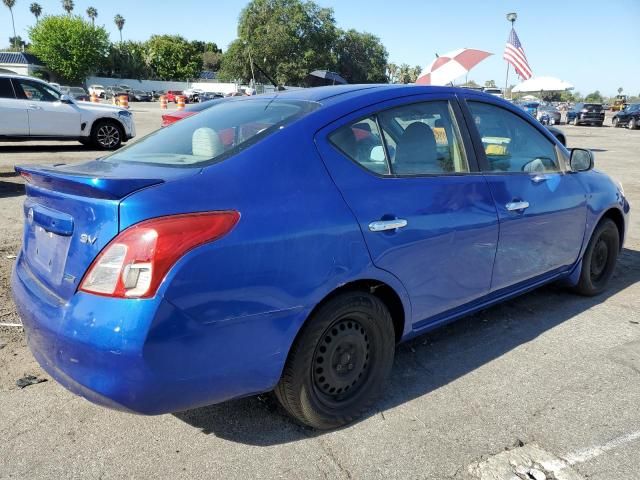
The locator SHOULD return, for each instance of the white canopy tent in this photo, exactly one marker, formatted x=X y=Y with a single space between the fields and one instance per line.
x=543 y=84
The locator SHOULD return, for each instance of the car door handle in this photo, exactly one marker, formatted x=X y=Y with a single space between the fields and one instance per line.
x=515 y=206
x=35 y=107
x=539 y=178
x=383 y=225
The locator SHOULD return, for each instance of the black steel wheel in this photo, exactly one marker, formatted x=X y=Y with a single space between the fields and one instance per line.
x=107 y=135
x=599 y=260
x=339 y=362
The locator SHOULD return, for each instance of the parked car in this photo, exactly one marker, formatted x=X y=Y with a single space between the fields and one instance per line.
x=170 y=118
x=124 y=87
x=493 y=91
x=287 y=242
x=206 y=96
x=552 y=114
x=156 y=94
x=630 y=117
x=581 y=113
x=30 y=109
x=55 y=85
x=140 y=96
x=97 y=90
x=172 y=95
x=192 y=94
x=77 y=93
x=116 y=91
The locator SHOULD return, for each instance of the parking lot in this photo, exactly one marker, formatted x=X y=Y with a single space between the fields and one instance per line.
x=550 y=378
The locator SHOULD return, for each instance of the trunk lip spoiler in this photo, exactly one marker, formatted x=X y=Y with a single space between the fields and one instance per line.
x=102 y=187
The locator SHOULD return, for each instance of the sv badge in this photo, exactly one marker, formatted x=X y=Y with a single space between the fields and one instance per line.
x=88 y=239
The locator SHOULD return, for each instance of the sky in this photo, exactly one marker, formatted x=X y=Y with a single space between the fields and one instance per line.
x=592 y=44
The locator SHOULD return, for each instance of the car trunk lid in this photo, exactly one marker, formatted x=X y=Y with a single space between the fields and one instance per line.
x=72 y=212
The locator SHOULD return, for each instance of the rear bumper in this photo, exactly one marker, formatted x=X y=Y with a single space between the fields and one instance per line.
x=144 y=356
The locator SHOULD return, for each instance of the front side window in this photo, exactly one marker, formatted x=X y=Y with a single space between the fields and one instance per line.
x=214 y=134
x=416 y=139
x=35 y=91
x=510 y=143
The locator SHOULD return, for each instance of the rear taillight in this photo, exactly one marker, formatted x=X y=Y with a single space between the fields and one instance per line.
x=134 y=263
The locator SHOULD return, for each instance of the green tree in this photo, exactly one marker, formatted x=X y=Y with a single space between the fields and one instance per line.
x=392 y=72
x=92 y=13
x=594 y=97
x=415 y=73
x=36 y=10
x=404 y=74
x=17 y=44
x=127 y=60
x=286 y=38
x=68 y=6
x=70 y=46
x=119 y=21
x=211 y=60
x=171 y=57
x=10 y=4
x=361 y=58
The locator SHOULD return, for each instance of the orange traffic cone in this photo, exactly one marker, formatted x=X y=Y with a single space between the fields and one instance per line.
x=114 y=100
x=94 y=98
x=181 y=99
x=124 y=101
x=163 y=102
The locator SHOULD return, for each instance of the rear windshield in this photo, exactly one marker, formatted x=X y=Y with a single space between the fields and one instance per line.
x=214 y=134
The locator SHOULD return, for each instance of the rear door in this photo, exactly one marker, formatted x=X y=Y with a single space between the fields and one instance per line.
x=48 y=116
x=541 y=205
x=409 y=174
x=14 y=120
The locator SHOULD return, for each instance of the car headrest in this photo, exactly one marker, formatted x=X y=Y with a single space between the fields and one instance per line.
x=206 y=143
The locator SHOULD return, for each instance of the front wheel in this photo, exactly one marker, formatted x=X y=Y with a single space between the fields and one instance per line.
x=599 y=261
x=107 y=135
x=339 y=363
x=632 y=124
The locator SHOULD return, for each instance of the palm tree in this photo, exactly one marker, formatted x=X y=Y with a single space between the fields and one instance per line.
x=92 y=13
x=119 y=21
x=10 y=4
x=68 y=6
x=36 y=9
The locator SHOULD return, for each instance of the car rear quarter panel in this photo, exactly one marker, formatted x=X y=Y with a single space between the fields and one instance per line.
x=247 y=295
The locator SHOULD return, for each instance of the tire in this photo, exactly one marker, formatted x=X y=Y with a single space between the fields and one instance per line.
x=632 y=125
x=615 y=122
x=107 y=135
x=575 y=121
x=339 y=363
x=599 y=260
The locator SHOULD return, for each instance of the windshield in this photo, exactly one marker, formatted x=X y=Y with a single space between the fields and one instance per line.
x=215 y=134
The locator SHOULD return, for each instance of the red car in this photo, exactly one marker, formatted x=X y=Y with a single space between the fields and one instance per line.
x=172 y=117
x=172 y=95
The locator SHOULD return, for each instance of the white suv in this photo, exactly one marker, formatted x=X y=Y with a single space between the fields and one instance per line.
x=31 y=109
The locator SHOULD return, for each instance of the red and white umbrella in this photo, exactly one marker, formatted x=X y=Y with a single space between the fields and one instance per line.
x=446 y=68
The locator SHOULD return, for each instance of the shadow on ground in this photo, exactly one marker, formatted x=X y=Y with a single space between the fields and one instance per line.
x=10 y=189
x=426 y=363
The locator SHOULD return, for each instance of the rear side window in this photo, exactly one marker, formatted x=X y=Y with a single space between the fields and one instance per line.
x=416 y=139
x=511 y=144
x=6 y=90
x=216 y=133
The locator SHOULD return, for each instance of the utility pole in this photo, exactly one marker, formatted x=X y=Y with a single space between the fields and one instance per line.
x=511 y=17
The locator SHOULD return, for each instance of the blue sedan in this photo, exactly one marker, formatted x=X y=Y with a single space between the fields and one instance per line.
x=289 y=242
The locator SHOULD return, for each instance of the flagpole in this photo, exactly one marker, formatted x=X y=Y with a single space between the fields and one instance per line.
x=506 y=82
x=511 y=17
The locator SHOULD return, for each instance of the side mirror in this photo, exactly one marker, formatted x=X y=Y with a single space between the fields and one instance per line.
x=66 y=99
x=581 y=160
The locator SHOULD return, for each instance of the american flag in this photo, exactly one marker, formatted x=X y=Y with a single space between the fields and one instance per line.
x=514 y=54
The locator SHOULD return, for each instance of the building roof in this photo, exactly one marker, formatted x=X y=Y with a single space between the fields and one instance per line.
x=208 y=75
x=19 y=58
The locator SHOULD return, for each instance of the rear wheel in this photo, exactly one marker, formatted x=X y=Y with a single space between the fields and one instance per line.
x=632 y=124
x=599 y=261
x=107 y=135
x=339 y=363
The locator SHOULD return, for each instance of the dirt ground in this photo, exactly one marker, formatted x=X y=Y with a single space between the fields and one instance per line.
x=548 y=380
